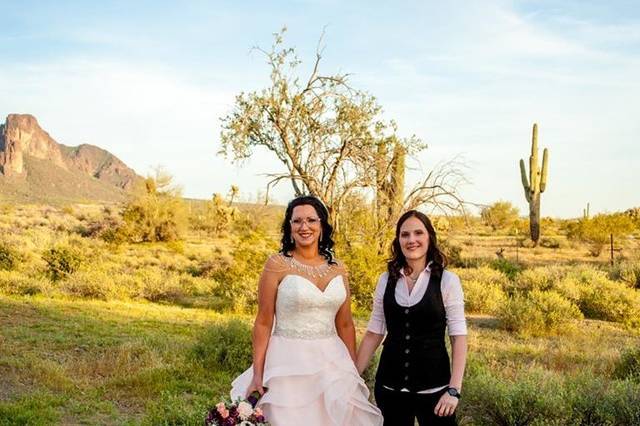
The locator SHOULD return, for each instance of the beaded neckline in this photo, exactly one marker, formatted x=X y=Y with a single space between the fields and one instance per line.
x=313 y=271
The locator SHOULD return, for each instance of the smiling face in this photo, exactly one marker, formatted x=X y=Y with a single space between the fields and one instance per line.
x=305 y=226
x=414 y=239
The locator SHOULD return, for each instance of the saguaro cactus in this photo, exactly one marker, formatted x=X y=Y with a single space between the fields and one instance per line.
x=535 y=185
x=390 y=171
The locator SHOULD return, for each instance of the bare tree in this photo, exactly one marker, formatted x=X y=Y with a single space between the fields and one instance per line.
x=329 y=137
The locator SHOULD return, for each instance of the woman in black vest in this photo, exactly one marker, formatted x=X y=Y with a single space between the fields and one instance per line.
x=415 y=300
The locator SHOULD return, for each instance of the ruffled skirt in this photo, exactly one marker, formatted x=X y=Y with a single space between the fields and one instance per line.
x=312 y=382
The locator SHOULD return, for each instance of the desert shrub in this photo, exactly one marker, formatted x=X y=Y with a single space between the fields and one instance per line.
x=611 y=301
x=597 y=402
x=482 y=297
x=540 y=278
x=364 y=266
x=225 y=345
x=537 y=313
x=13 y=282
x=531 y=398
x=499 y=215
x=62 y=260
x=237 y=280
x=156 y=285
x=628 y=272
x=629 y=364
x=482 y=274
x=551 y=242
x=596 y=231
x=452 y=251
x=95 y=284
x=9 y=257
x=507 y=267
x=157 y=214
x=217 y=217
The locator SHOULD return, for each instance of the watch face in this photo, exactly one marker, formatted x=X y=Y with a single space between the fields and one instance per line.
x=452 y=392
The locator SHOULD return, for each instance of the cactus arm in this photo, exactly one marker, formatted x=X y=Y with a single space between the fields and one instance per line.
x=543 y=180
x=525 y=183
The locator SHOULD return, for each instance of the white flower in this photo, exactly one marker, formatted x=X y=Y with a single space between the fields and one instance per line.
x=245 y=423
x=245 y=410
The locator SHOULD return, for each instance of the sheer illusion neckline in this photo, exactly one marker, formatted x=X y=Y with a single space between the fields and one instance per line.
x=321 y=290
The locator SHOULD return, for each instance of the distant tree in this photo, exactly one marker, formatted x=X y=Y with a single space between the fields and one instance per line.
x=158 y=213
x=597 y=230
x=499 y=215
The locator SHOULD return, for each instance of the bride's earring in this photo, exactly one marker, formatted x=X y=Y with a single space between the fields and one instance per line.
x=292 y=240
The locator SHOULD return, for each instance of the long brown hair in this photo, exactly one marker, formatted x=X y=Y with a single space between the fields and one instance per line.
x=434 y=255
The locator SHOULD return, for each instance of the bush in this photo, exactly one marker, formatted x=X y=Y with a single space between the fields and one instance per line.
x=628 y=272
x=63 y=260
x=594 y=402
x=158 y=214
x=611 y=301
x=541 y=278
x=9 y=258
x=596 y=231
x=550 y=242
x=510 y=269
x=481 y=297
x=12 y=282
x=538 y=313
x=499 y=215
x=483 y=274
x=531 y=398
x=364 y=266
x=225 y=346
x=95 y=284
x=629 y=365
x=452 y=252
x=238 y=279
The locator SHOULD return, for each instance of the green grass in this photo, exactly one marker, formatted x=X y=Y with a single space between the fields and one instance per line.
x=114 y=362
x=93 y=362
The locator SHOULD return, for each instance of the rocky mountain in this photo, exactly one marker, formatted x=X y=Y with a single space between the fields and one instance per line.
x=34 y=167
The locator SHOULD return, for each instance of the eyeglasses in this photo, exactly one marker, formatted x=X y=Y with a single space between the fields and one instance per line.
x=310 y=221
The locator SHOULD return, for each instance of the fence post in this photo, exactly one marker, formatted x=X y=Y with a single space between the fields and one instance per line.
x=611 y=239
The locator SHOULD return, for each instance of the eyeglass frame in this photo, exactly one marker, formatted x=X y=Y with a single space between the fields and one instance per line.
x=318 y=221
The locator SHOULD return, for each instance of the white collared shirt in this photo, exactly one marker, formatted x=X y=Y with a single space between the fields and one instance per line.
x=452 y=297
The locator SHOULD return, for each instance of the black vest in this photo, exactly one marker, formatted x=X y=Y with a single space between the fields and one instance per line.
x=414 y=355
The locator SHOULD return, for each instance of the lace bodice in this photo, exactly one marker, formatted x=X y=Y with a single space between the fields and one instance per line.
x=304 y=311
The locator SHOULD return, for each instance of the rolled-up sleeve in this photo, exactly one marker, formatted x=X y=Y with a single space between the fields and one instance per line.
x=377 y=322
x=453 y=299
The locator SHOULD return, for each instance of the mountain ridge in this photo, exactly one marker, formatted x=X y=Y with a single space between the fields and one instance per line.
x=35 y=167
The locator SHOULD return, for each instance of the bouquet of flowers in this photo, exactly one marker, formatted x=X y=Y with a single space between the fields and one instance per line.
x=237 y=413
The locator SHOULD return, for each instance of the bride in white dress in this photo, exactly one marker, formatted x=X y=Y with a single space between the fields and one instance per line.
x=303 y=364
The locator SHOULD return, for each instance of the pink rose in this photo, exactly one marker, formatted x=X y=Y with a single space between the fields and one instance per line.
x=258 y=411
x=222 y=410
x=245 y=410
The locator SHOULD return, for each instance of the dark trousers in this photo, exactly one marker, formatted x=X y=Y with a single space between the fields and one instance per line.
x=402 y=408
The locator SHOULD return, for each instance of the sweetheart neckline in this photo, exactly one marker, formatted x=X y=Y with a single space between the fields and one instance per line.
x=311 y=282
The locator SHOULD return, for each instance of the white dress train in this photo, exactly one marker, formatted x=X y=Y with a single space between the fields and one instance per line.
x=312 y=380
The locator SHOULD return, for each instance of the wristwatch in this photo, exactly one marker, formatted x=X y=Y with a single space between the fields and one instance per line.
x=453 y=392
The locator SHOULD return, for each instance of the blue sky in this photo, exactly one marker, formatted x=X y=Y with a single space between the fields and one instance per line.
x=149 y=81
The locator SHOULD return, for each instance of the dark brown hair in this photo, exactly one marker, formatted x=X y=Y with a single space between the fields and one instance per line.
x=434 y=255
x=325 y=245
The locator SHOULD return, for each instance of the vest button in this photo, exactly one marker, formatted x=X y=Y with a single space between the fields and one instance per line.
x=406 y=364
x=406 y=351
x=406 y=378
x=407 y=337
x=406 y=324
x=406 y=311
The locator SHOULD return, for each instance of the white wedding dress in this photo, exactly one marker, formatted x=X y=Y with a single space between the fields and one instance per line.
x=312 y=380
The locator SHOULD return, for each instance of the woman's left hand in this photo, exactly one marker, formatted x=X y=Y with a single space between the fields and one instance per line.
x=446 y=406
